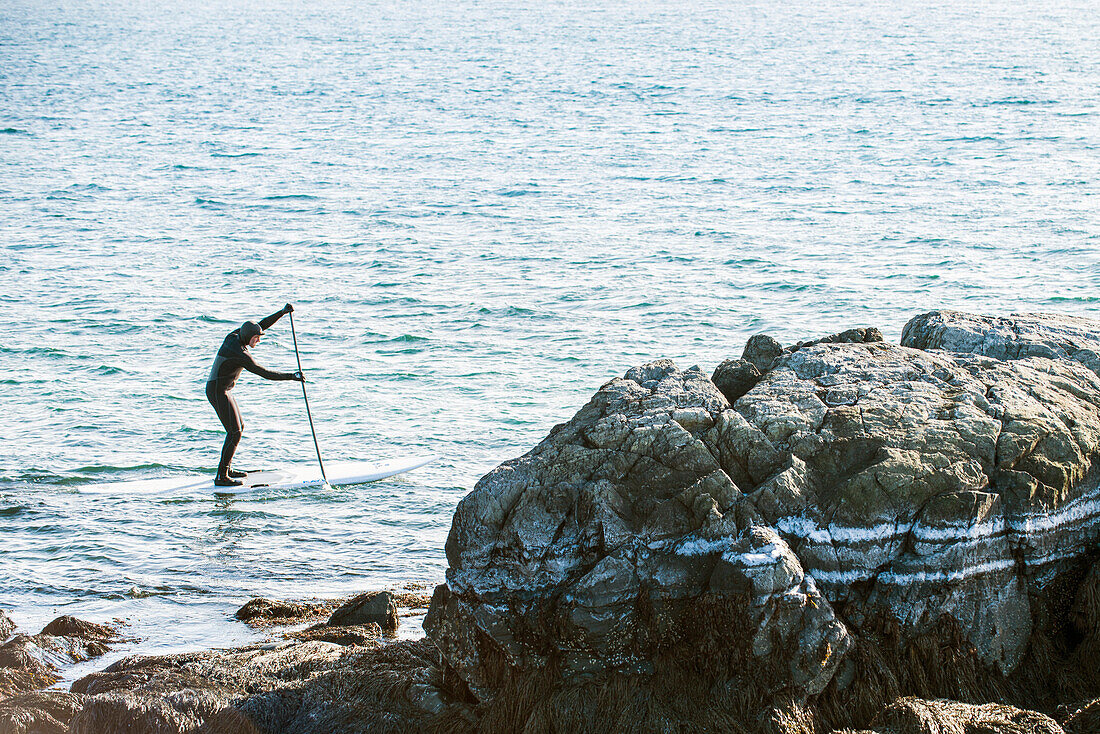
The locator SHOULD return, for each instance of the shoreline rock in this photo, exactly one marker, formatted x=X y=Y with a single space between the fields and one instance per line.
x=261 y=612
x=819 y=529
x=32 y=662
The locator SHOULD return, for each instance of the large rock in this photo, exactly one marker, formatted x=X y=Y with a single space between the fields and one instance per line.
x=620 y=543
x=1053 y=336
x=926 y=493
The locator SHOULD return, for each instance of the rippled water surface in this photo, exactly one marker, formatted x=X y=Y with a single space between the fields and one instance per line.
x=482 y=211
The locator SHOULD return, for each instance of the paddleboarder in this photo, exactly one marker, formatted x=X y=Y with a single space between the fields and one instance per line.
x=234 y=356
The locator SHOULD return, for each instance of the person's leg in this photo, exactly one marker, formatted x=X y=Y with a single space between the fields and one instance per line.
x=230 y=416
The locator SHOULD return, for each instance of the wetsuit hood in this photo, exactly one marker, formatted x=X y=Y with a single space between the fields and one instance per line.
x=248 y=330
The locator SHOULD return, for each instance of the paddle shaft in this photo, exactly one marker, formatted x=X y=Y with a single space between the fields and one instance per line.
x=306 y=399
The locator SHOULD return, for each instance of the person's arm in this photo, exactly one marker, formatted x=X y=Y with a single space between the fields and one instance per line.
x=256 y=368
x=268 y=321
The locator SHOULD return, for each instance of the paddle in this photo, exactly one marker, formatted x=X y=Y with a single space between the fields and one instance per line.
x=306 y=399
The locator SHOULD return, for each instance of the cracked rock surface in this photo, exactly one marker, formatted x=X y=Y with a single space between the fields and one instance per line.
x=1015 y=337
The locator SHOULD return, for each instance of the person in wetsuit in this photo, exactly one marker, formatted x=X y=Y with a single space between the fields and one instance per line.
x=234 y=356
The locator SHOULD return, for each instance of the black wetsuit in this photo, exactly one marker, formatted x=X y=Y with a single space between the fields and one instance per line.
x=232 y=358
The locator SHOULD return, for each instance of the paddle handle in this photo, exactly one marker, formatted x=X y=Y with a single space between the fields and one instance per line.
x=306 y=398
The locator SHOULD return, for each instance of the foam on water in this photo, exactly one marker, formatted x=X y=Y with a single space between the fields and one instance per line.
x=482 y=211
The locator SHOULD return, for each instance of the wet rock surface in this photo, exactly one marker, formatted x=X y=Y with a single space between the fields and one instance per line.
x=261 y=612
x=863 y=521
x=31 y=662
x=7 y=627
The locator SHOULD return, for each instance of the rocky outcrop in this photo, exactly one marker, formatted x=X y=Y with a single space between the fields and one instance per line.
x=301 y=687
x=1015 y=337
x=864 y=520
x=621 y=545
x=328 y=678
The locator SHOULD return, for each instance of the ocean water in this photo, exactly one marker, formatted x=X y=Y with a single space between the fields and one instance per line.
x=482 y=211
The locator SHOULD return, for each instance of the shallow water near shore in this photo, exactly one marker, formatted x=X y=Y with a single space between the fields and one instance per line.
x=482 y=212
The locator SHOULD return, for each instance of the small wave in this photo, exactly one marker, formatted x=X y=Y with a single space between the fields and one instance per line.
x=291 y=197
x=234 y=155
x=13 y=510
x=109 y=469
x=51 y=352
x=972 y=139
x=508 y=311
x=13 y=131
x=209 y=202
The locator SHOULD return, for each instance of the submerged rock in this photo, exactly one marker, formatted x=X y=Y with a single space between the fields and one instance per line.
x=864 y=518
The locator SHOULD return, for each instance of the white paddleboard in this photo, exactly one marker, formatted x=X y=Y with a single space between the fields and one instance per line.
x=295 y=476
